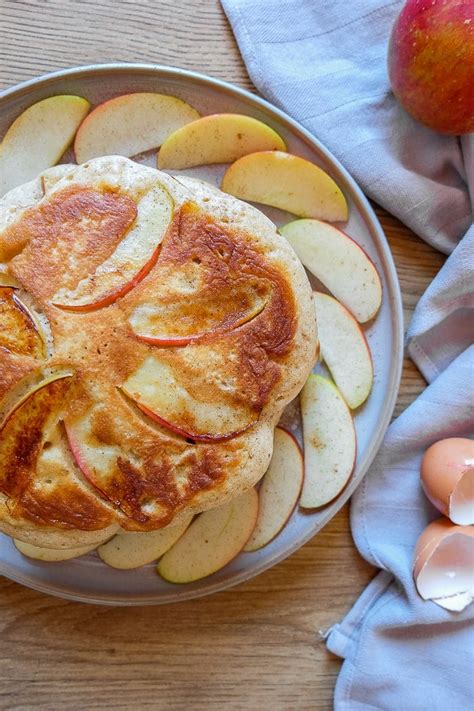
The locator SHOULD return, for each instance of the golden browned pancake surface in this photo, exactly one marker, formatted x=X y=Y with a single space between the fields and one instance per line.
x=143 y=368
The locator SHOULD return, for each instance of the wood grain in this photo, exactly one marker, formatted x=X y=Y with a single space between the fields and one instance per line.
x=253 y=647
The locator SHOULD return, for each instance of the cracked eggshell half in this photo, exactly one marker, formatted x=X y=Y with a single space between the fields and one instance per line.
x=447 y=478
x=443 y=567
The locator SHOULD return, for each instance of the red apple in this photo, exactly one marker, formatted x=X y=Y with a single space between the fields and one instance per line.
x=431 y=63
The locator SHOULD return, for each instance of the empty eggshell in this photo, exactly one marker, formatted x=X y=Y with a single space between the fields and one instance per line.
x=447 y=477
x=443 y=567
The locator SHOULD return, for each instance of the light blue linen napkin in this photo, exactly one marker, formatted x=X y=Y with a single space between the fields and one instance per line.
x=324 y=63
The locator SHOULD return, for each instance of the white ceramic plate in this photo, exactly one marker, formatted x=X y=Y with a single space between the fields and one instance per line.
x=88 y=579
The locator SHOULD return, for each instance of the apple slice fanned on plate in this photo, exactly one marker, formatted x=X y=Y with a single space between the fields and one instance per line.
x=279 y=491
x=329 y=442
x=339 y=263
x=288 y=182
x=131 y=124
x=53 y=555
x=131 y=261
x=126 y=551
x=344 y=349
x=211 y=541
x=218 y=138
x=37 y=139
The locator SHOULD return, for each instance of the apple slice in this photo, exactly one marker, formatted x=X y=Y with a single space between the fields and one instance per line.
x=329 y=442
x=132 y=550
x=131 y=124
x=339 y=263
x=20 y=331
x=6 y=278
x=280 y=489
x=288 y=182
x=132 y=260
x=344 y=349
x=51 y=555
x=158 y=390
x=174 y=324
x=37 y=139
x=212 y=540
x=219 y=138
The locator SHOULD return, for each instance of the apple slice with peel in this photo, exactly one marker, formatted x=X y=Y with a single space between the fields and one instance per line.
x=132 y=550
x=344 y=349
x=329 y=442
x=37 y=139
x=162 y=393
x=212 y=540
x=219 y=138
x=280 y=489
x=339 y=263
x=165 y=324
x=288 y=182
x=43 y=385
x=52 y=555
x=132 y=260
x=20 y=331
x=131 y=124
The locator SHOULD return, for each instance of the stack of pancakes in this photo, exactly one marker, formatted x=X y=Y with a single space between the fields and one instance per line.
x=151 y=332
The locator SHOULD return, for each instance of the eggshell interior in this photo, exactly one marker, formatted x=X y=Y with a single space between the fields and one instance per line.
x=448 y=571
x=461 y=502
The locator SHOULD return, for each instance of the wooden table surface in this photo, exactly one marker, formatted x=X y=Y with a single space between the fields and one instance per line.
x=256 y=646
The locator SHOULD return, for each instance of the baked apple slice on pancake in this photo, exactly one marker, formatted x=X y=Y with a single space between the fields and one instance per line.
x=21 y=332
x=196 y=397
x=37 y=474
x=146 y=474
x=179 y=318
x=131 y=261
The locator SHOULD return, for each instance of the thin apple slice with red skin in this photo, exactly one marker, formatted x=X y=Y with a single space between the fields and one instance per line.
x=37 y=139
x=212 y=317
x=339 y=263
x=344 y=349
x=53 y=555
x=279 y=491
x=131 y=124
x=132 y=260
x=20 y=332
x=287 y=182
x=161 y=395
x=329 y=439
x=211 y=541
x=218 y=138
x=126 y=551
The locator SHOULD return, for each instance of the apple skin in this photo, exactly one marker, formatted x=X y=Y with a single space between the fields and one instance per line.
x=190 y=435
x=431 y=63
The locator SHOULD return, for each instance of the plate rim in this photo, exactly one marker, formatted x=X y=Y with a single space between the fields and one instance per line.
x=396 y=313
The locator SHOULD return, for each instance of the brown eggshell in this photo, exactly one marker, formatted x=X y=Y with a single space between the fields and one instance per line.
x=447 y=477
x=444 y=564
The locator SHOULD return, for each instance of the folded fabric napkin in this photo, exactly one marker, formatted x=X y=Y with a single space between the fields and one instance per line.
x=324 y=63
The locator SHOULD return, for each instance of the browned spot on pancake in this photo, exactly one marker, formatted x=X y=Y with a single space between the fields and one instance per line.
x=63 y=239
x=18 y=333
x=22 y=433
x=13 y=368
x=66 y=506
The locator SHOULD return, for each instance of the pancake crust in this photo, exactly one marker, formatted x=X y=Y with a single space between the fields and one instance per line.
x=163 y=402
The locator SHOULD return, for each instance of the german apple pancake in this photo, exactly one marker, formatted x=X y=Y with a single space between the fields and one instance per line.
x=151 y=333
